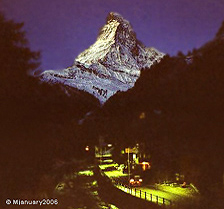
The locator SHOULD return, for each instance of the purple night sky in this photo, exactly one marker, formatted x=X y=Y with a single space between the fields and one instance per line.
x=61 y=29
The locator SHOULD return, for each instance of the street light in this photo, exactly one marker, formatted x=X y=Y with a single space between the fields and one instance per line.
x=109 y=145
x=127 y=150
x=145 y=165
x=128 y=168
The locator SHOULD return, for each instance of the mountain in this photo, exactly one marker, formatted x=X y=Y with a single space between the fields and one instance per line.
x=113 y=63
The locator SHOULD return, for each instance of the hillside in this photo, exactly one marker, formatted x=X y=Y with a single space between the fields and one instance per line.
x=176 y=110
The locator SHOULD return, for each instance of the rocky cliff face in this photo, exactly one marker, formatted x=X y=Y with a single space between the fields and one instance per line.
x=113 y=63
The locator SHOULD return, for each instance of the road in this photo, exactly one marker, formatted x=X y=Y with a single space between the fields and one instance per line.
x=161 y=194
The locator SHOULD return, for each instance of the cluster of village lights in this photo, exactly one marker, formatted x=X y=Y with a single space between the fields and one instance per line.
x=87 y=147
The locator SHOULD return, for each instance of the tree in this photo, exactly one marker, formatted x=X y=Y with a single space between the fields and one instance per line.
x=39 y=122
x=16 y=59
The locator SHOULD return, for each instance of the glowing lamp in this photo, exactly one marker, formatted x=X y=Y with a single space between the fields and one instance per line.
x=145 y=165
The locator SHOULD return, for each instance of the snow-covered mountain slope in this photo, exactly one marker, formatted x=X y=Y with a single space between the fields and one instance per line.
x=111 y=64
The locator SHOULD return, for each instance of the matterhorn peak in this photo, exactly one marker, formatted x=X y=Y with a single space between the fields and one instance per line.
x=113 y=16
x=123 y=24
x=116 y=32
x=113 y=63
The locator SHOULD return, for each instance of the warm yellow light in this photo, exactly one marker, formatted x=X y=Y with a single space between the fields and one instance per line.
x=87 y=148
x=142 y=115
x=145 y=165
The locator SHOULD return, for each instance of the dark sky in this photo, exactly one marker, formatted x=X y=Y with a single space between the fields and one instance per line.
x=61 y=29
